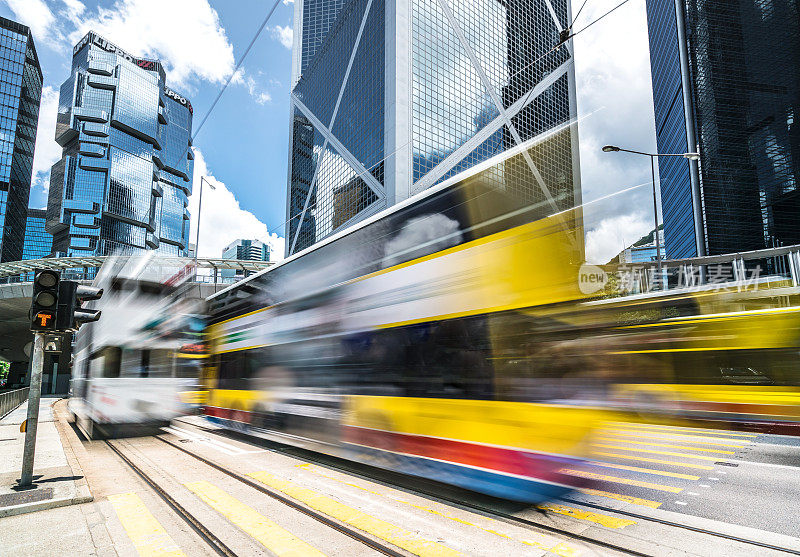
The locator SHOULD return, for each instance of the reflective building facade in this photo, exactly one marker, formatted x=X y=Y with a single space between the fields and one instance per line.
x=20 y=95
x=38 y=242
x=391 y=97
x=744 y=86
x=243 y=250
x=123 y=181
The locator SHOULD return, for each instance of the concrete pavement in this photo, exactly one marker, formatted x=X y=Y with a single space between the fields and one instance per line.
x=58 y=479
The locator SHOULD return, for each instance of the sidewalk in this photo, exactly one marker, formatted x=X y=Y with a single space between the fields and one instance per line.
x=58 y=479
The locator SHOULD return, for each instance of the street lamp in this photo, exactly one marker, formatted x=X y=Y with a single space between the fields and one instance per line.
x=199 y=206
x=653 y=156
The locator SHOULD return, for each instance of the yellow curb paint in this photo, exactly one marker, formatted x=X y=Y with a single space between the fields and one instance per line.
x=597 y=518
x=547 y=543
x=614 y=479
x=277 y=540
x=700 y=439
x=666 y=453
x=148 y=536
x=653 y=460
x=386 y=531
x=621 y=497
x=646 y=471
x=668 y=446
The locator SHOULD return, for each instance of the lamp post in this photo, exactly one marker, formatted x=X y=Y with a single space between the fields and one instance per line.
x=653 y=156
x=200 y=206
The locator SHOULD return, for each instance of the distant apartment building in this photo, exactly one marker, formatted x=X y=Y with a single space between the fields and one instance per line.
x=20 y=95
x=243 y=250
x=725 y=81
x=391 y=97
x=644 y=250
x=123 y=181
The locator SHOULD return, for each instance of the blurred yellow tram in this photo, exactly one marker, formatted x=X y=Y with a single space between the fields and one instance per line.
x=447 y=337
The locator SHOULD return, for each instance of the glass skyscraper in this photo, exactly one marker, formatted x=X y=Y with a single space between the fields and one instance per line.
x=123 y=181
x=742 y=59
x=20 y=95
x=38 y=242
x=243 y=250
x=391 y=97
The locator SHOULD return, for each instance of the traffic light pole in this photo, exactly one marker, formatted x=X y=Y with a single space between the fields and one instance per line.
x=34 y=396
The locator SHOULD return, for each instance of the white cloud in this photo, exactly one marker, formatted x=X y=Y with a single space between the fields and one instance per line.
x=73 y=9
x=185 y=34
x=261 y=97
x=614 y=88
x=284 y=34
x=223 y=220
x=614 y=234
x=47 y=151
x=36 y=15
x=287 y=2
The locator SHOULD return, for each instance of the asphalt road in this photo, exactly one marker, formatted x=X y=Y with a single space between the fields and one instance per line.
x=726 y=482
x=747 y=479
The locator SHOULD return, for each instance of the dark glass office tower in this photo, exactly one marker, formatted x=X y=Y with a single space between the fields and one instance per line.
x=20 y=94
x=742 y=59
x=391 y=97
x=122 y=183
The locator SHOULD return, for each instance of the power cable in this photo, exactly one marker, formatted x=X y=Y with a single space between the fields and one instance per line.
x=235 y=70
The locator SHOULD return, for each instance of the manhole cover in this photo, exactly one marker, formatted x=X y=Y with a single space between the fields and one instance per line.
x=30 y=496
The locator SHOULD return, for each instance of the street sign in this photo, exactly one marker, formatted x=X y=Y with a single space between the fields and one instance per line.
x=52 y=344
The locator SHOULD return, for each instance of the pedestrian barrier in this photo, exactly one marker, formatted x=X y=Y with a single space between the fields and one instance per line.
x=10 y=400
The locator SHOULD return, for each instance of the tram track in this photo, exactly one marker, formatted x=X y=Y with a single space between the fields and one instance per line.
x=213 y=541
x=486 y=511
x=379 y=476
x=217 y=545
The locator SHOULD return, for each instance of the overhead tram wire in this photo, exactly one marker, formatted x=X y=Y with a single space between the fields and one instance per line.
x=235 y=71
x=562 y=40
x=574 y=19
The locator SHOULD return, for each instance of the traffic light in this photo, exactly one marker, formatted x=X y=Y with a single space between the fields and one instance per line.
x=44 y=303
x=70 y=297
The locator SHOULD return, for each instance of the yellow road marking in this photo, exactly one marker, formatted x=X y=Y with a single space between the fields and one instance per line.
x=270 y=535
x=683 y=429
x=621 y=497
x=669 y=446
x=601 y=519
x=148 y=536
x=666 y=453
x=386 y=531
x=547 y=544
x=702 y=440
x=614 y=479
x=646 y=470
x=553 y=545
x=654 y=460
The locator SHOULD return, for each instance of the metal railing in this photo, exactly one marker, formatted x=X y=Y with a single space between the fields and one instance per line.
x=750 y=268
x=84 y=267
x=10 y=400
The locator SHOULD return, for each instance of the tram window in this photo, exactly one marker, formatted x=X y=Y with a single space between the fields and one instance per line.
x=106 y=362
x=145 y=363
x=235 y=369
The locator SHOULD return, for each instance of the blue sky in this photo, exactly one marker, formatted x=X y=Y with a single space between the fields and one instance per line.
x=244 y=142
x=242 y=148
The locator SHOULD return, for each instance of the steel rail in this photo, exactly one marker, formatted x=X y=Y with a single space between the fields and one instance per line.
x=343 y=465
x=205 y=534
x=320 y=517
